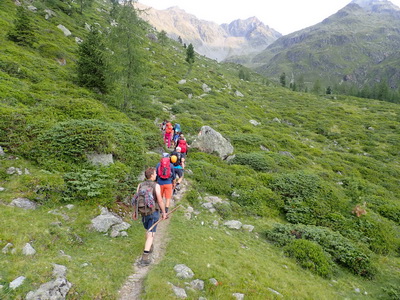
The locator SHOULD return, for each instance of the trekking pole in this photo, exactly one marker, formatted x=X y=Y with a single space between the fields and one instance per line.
x=152 y=226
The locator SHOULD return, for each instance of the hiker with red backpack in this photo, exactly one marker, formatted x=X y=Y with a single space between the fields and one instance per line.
x=165 y=178
x=148 y=202
x=168 y=134
x=183 y=145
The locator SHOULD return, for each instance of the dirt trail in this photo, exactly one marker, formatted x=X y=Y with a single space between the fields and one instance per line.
x=133 y=287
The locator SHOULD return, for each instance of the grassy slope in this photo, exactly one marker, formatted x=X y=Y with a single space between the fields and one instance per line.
x=327 y=136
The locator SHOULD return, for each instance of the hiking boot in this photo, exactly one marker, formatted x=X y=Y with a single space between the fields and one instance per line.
x=145 y=261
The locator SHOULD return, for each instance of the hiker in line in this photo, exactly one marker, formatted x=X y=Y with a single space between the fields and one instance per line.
x=168 y=134
x=154 y=190
x=165 y=178
x=162 y=126
x=175 y=139
x=178 y=160
x=183 y=145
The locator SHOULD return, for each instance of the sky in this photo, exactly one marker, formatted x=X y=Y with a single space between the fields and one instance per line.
x=285 y=16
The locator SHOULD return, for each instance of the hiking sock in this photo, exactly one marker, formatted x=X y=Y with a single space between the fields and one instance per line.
x=146 y=252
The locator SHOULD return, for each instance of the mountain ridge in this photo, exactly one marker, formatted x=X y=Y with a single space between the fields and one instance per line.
x=240 y=37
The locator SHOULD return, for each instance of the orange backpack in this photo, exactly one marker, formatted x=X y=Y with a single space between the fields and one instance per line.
x=168 y=128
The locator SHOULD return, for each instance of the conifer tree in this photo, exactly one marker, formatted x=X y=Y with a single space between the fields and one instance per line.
x=162 y=37
x=127 y=58
x=190 y=54
x=23 y=31
x=282 y=79
x=91 y=66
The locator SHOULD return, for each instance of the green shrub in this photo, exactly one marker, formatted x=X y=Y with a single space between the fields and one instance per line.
x=85 y=185
x=343 y=251
x=296 y=185
x=257 y=161
x=70 y=142
x=310 y=256
x=51 y=51
x=299 y=211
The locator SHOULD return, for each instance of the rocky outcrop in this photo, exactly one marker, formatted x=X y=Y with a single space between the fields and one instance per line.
x=209 y=141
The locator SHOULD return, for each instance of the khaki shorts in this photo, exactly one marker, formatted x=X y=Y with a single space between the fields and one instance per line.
x=166 y=191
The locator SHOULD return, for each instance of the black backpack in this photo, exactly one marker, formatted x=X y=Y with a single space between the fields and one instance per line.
x=144 y=198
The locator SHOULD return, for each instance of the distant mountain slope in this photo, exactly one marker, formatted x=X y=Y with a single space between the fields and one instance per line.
x=240 y=37
x=360 y=44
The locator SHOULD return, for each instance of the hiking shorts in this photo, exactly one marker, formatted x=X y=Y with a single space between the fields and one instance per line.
x=149 y=220
x=179 y=172
x=166 y=191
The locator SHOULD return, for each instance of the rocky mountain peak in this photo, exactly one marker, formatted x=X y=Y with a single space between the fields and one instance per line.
x=376 y=5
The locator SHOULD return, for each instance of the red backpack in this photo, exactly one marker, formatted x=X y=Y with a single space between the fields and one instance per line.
x=168 y=128
x=183 y=145
x=164 y=169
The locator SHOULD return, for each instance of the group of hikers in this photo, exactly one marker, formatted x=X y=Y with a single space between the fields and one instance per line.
x=153 y=196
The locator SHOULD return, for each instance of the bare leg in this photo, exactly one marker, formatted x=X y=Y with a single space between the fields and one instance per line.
x=149 y=240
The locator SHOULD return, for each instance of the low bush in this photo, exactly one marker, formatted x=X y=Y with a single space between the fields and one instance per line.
x=257 y=161
x=343 y=251
x=310 y=256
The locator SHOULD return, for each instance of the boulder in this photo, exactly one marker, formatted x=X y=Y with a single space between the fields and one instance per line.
x=105 y=221
x=23 y=203
x=17 y=282
x=233 y=224
x=197 y=284
x=183 y=271
x=64 y=30
x=254 y=122
x=209 y=141
x=55 y=289
x=28 y=250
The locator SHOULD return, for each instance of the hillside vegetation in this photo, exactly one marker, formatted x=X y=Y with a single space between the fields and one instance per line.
x=317 y=176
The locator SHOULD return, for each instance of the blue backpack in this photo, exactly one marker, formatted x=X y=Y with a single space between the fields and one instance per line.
x=177 y=127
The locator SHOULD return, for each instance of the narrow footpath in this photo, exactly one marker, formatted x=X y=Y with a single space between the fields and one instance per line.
x=133 y=287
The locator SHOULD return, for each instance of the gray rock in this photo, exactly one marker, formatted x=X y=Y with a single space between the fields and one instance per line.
x=11 y=170
x=123 y=234
x=263 y=148
x=238 y=296
x=2 y=152
x=17 y=282
x=254 y=122
x=215 y=223
x=7 y=248
x=248 y=228
x=26 y=171
x=190 y=209
x=32 y=8
x=187 y=215
x=197 y=284
x=213 y=281
x=49 y=13
x=233 y=224
x=121 y=227
x=207 y=205
x=276 y=120
x=105 y=221
x=182 y=81
x=183 y=271
x=275 y=292
x=28 y=250
x=206 y=88
x=59 y=270
x=78 y=40
x=56 y=289
x=238 y=94
x=70 y=206
x=64 y=30
x=179 y=292
x=100 y=159
x=209 y=141
x=114 y=233
x=2 y=189
x=23 y=203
